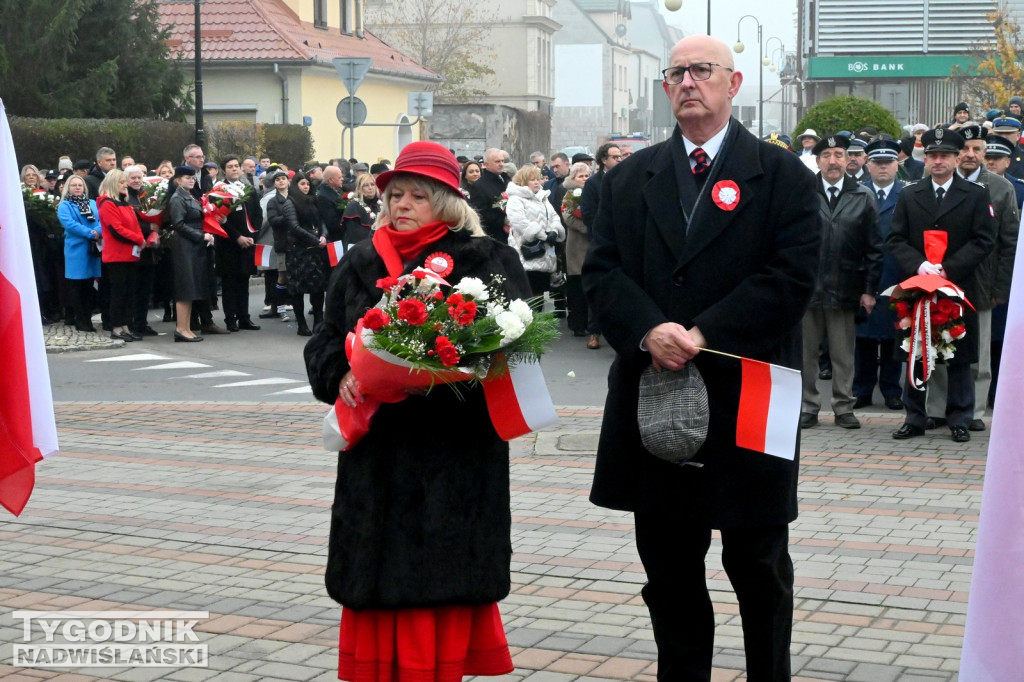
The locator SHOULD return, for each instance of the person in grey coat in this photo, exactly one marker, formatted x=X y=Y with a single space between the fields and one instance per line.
x=191 y=249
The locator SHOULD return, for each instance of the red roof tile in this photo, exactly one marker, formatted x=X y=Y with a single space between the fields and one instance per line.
x=268 y=30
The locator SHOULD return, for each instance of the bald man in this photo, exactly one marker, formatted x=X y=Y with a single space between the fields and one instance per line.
x=707 y=240
x=328 y=196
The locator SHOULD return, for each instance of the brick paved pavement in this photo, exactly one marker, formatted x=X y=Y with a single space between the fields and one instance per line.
x=223 y=507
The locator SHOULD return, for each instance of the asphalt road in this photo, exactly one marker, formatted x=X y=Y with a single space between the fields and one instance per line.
x=265 y=365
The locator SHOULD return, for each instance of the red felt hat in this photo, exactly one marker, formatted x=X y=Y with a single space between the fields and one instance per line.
x=428 y=159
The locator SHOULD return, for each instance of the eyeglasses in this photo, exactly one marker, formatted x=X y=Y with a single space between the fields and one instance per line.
x=698 y=72
x=615 y=157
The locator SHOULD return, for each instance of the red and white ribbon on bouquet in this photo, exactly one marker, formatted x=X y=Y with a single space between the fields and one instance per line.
x=517 y=399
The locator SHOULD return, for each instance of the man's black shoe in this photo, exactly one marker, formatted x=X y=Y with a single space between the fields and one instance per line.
x=847 y=421
x=145 y=331
x=231 y=326
x=907 y=431
x=934 y=423
x=808 y=419
x=960 y=434
x=975 y=425
x=894 y=403
x=247 y=325
x=825 y=374
x=861 y=402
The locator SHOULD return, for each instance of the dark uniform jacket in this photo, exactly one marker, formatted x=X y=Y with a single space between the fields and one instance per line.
x=879 y=324
x=663 y=251
x=995 y=271
x=421 y=505
x=851 y=247
x=327 y=200
x=966 y=216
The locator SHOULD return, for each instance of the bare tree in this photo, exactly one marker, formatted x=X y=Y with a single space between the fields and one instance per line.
x=449 y=37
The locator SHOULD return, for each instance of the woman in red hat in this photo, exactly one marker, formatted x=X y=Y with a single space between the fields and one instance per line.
x=420 y=548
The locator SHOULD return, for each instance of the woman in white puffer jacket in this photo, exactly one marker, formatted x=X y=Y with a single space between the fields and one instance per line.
x=533 y=222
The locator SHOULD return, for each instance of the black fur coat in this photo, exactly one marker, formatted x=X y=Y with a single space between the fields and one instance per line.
x=421 y=505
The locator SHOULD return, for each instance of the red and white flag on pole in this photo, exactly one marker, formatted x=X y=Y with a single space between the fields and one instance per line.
x=994 y=630
x=768 y=419
x=335 y=250
x=27 y=428
x=262 y=254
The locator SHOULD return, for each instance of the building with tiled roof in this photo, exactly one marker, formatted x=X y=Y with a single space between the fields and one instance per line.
x=271 y=61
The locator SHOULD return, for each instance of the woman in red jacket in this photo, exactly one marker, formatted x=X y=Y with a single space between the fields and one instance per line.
x=122 y=244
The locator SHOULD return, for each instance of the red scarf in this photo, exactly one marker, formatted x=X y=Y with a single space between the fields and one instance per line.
x=397 y=248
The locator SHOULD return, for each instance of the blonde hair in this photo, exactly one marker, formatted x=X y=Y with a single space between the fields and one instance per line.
x=110 y=182
x=363 y=179
x=66 y=189
x=525 y=174
x=578 y=168
x=448 y=206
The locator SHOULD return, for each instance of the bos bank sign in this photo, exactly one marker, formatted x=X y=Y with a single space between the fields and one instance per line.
x=894 y=67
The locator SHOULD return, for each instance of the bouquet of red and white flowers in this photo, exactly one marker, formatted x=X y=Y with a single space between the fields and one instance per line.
x=224 y=198
x=41 y=206
x=501 y=202
x=571 y=203
x=343 y=201
x=425 y=332
x=153 y=197
x=930 y=320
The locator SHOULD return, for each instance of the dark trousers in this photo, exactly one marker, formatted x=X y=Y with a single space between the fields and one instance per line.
x=201 y=314
x=757 y=562
x=235 y=293
x=82 y=297
x=959 y=398
x=580 y=318
x=122 y=288
x=874 y=362
x=270 y=287
x=145 y=276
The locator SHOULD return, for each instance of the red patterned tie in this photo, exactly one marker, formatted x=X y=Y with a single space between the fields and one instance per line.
x=700 y=159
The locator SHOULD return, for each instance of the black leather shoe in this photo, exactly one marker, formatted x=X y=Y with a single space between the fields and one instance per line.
x=304 y=331
x=825 y=374
x=214 y=329
x=861 y=402
x=248 y=325
x=975 y=425
x=960 y=434
x=147 y=331
x=122 y=336
x=231 y=326
x=847 y=421
x=894 y=403
x=907 y=431
x=135 y=337
x=808 y=419
x=85 y=327
x=181 y=338
x=934 y=423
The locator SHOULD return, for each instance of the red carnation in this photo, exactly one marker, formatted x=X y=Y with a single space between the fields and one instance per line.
x=455 y=299
x=412 y=311
x=447 y=352
x=386 y=283
x=947 y=306
x=939 y=318
x=902 y=309
x=464 y=313
x=958 y=331
x=375 y=319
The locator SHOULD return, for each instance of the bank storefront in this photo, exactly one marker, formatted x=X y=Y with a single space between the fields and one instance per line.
x=915 y=88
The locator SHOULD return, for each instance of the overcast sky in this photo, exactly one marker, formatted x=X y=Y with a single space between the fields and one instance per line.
x=779 y=22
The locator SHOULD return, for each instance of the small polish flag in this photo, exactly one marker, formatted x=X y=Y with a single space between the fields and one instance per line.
x=262 y=253
x=518 y=401
x=335 y=250
x=768 y=419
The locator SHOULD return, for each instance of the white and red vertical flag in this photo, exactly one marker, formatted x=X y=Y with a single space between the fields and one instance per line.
x=335 y=250
x=768 y=418
x=28 y=431
x=262 y=254
x=994 y=630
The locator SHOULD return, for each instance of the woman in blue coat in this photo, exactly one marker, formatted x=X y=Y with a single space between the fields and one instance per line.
x=78 y=214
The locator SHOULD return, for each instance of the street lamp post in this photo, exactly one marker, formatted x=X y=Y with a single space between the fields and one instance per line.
x=200 y=133
x=738 y=48
x=771 y=67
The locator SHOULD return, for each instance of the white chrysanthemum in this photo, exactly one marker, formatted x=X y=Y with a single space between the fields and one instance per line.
x=473 y=286
x=511 y=326
x=522 y=309
x=578 y=192
x=946 y=336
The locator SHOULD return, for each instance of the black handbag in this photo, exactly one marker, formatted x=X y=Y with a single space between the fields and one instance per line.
x=533 y=250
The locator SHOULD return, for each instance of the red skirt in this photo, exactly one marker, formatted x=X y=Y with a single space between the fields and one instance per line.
x=441 y=644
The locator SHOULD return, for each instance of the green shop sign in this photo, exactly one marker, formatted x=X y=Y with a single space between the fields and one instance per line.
x=901 y=66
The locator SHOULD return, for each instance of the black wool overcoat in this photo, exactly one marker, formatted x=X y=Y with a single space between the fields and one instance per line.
x=744 y=276
x=421 y=512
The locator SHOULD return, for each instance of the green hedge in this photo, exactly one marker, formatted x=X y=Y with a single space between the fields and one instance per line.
x=847 y=112
x=42 y=141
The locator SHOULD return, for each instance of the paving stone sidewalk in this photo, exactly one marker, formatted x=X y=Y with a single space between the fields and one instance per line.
x=223 y=507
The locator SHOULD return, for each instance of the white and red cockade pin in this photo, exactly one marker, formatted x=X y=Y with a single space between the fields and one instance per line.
x=440 y=263
x=726 y=195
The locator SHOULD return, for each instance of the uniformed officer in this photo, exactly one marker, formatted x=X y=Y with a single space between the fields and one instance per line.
x=945 y=201
x=1010 y=128
x=779 y=140
x=997 y=160
x=855 y=158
